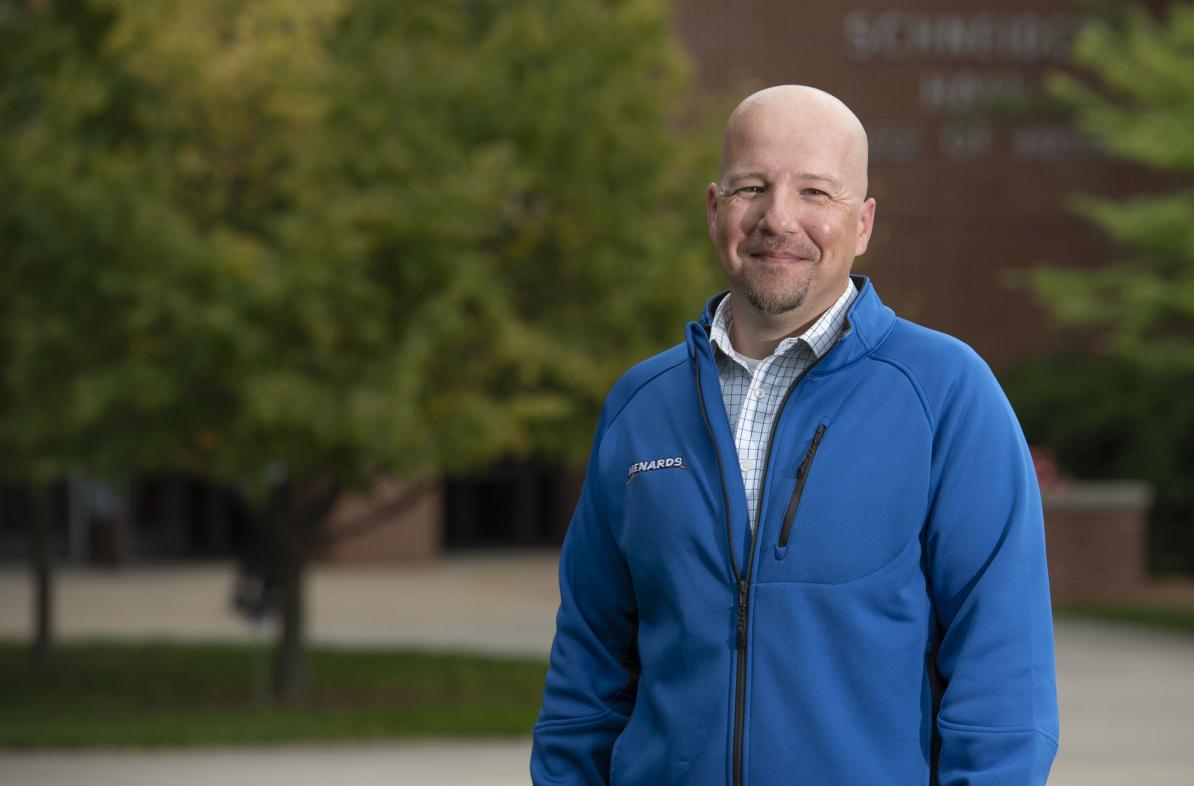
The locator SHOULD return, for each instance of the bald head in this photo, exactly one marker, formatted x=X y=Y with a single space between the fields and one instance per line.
x=790 y=211
x=803 y=118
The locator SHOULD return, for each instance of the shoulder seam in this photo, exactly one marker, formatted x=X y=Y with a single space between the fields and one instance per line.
x=635 y=392
x=920 y=394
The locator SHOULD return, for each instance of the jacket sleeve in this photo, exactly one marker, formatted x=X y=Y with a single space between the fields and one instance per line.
x=589 y=691
x=985 y=547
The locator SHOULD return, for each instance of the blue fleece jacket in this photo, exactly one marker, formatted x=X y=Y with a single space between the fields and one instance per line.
x=889 y=623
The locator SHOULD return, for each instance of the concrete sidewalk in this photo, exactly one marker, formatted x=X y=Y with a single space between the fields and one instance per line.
x=1127 y=695
x=421 y=764
x=503 y=603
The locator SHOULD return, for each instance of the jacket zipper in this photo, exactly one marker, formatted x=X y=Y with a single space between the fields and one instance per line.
x=802 y=473
x=742 y=581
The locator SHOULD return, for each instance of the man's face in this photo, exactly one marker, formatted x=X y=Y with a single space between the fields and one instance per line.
x=789 y=215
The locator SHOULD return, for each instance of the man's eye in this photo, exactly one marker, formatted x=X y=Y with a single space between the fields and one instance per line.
x=814 y=192
x=750 y=190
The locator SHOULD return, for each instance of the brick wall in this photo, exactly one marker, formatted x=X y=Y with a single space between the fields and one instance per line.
x=1096 y=535
x=387 y=525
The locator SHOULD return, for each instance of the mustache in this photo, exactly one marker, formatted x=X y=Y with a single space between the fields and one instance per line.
x=771 y=244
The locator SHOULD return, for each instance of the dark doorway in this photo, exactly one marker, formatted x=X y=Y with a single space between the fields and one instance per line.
x=518 y=503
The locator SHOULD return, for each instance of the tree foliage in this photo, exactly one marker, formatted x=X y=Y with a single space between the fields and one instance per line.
x=1107 y=419
x=1127 y=415
x=342 y=237
x=1138 y=105
x=290 y=246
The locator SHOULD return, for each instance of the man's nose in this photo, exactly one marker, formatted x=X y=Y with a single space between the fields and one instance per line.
x=781 y=212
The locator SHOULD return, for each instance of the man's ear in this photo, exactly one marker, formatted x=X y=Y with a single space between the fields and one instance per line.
x=712 y=195
x=866 y=224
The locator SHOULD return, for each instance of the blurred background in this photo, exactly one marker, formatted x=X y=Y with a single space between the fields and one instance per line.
x=308 y=307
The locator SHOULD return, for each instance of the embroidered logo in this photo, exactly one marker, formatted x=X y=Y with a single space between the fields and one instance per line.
x=675 y=462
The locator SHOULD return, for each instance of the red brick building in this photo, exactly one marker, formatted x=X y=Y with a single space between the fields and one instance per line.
x=972 y=186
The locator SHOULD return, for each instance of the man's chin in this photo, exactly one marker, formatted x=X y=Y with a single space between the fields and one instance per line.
x=772 y=304
x=774 y=300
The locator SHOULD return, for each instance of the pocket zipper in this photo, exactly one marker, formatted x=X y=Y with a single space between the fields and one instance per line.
x=801 y=478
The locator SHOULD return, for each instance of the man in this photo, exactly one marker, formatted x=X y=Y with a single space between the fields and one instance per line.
x=809 y=546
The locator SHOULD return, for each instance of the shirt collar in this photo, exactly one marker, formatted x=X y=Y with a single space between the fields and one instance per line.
x=820 y=336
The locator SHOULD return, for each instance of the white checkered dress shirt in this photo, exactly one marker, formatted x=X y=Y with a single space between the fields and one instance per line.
x=752 y=400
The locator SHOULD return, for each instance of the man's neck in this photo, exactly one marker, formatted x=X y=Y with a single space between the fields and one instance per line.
x=756 y=334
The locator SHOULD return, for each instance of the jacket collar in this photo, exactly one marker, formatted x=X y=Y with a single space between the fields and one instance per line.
x=868 y=322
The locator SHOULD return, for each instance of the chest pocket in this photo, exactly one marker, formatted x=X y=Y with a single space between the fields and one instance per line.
x=851 y=498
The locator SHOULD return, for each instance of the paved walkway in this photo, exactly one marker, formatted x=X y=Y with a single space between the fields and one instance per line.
x=1127 y=695
x=423 y=764
x=504 y=603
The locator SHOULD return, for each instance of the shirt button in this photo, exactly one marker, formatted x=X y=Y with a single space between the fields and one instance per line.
x=758 y=393
x=745 y=466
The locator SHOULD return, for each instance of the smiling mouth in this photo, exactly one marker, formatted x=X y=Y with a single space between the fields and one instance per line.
x=780 y=256
x=779 y=253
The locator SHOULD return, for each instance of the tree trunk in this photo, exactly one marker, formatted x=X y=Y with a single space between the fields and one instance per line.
x=296 y=512
x=41 y=552
x=290 y=667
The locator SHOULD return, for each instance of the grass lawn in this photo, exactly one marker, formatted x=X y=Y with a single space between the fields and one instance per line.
x=116 y=694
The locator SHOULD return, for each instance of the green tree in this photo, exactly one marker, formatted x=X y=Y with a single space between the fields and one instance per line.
x=1138 y=105
x=1124 y=413
x=42 y=308
x=292 y=247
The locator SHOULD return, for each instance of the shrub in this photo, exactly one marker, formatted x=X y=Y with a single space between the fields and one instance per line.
x=1105 y=418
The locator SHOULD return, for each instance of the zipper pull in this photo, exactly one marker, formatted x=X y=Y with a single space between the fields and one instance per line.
x=812 y=448
x=741 y=615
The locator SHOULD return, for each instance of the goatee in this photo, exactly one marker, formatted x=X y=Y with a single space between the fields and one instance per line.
x=768 y=287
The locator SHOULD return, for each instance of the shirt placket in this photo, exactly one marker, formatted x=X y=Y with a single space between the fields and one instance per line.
x=752 y=432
